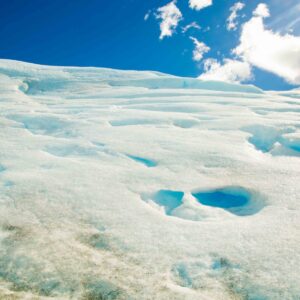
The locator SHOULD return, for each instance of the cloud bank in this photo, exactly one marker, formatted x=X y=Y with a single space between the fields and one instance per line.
x=268 y=50
x=258 y=47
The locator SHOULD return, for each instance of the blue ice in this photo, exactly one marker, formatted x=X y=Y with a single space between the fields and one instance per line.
x=145 y=161
x=234 y=199
x=170 y=200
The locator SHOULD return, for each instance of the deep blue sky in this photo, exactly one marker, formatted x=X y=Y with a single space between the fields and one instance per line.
x=114 y=34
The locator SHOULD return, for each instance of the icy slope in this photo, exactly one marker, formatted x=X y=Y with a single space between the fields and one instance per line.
x=140 y=185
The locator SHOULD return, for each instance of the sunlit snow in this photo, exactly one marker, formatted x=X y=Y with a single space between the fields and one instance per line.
x=140 y=185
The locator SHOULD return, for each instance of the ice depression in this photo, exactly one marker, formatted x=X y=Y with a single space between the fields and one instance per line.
x=141 y=185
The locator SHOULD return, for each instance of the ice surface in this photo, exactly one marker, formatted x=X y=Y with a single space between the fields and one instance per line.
x=141 y=185
x=274 y=141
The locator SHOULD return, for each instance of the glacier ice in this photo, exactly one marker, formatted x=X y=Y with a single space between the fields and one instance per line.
x=115 y=185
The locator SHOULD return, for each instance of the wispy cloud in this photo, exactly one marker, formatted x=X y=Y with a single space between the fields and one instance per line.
x=147 y=15
x=231 y=21
x=199 y=49
x=287 y=19
x=170 y=16
x=189 y=26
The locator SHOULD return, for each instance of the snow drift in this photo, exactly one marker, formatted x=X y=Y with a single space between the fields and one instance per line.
x=141 y=185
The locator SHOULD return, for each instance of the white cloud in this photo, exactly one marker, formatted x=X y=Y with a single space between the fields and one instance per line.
x=262 y=10
x=199 y=4
x=199 y=50
x=231 y=21
x=189 y=26
x=147 y=15
x=230 y=71
x=265 y=49
x=170 y=16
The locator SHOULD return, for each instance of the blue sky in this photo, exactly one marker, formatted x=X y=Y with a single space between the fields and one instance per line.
x=115 y=34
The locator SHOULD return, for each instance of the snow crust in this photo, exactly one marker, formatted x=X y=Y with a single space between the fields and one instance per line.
x=103 y=176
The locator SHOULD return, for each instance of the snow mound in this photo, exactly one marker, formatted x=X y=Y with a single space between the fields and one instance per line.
x=45 y=79
x=142 y=185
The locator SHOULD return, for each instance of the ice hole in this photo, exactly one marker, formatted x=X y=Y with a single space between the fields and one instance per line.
x=234 y=199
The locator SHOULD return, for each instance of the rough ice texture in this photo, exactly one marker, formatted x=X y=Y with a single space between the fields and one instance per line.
x=141 y=185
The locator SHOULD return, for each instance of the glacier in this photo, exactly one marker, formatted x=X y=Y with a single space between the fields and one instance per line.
x=142 y=185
